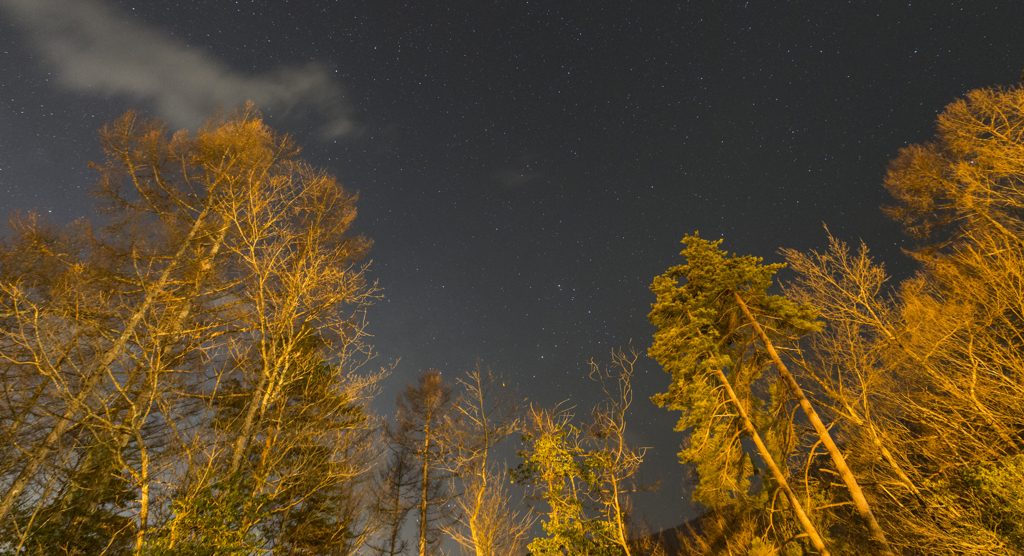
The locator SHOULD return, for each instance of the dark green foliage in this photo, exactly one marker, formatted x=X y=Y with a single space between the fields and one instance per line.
x=998 y=491
x=86 y=518
x=216 y=521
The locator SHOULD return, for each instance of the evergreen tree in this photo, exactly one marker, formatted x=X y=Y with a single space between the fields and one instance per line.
x=702 y=333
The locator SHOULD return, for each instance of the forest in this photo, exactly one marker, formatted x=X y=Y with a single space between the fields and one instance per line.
x=194 y=376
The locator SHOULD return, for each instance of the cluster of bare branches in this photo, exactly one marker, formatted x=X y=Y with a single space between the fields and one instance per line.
x=911 y=395
x=193 y=377
x=441 y=468
x=194 y=372
x=925 y=380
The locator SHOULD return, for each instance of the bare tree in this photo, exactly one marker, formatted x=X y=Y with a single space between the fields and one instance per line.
x=131 y=274
x=393 y=493
x=618 y=463
x=294 y=400
x=426 y=429
x=499 y=525
x=208 y=347
x=488 y=523
x=925 y=378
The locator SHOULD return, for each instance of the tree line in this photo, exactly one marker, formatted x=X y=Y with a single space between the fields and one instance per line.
x=195 y=377
x=849 y=415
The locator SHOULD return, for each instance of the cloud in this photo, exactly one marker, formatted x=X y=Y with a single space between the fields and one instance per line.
x=95 y=50
x=520 y=172
x=514 y=179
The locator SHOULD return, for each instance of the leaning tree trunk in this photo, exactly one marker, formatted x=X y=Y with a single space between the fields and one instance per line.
x=801 y=515
x=837 y=457
x=95 y=375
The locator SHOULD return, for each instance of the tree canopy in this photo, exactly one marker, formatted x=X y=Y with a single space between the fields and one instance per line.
x=195 y=376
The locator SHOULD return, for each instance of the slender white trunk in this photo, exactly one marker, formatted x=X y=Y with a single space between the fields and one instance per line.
x=140 y=535
x=798 y=510
x=95 y=375
x=826 y=439
x=424 y=486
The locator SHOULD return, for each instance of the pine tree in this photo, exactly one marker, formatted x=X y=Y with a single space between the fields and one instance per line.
x=702 y=333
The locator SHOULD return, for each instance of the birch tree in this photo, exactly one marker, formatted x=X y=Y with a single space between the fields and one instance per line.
x=488 y=523
x=227 y=278
x=926 y=375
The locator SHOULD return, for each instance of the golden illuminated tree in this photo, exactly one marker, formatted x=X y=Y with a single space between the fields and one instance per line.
x=205 y=347
x=704 y=330
x=959 y=344
x=586 y=474
x=488 y=522
x=968 y=179
x=925 y=378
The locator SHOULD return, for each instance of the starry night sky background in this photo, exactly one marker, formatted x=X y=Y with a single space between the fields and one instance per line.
x=525 y=168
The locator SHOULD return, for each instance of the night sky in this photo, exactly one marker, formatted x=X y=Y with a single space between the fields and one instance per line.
x=525 y=168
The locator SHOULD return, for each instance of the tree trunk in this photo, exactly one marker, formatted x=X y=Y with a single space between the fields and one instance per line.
x=95 y=375
x=801 y=516
x=140 y=534
x=424 y=487
x=622 y=538
x=247 y=425
x=837 y=457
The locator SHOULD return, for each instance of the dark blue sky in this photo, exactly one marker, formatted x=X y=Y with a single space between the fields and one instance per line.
x=525 y=168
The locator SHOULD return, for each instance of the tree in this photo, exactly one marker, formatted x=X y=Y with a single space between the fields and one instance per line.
x=136 y=275
x=585 y=475
x=52 y=318
x=293 y=427
x=930 y=376
x=426 y=428
x=393 y=494
x=489 y=524
x=701 y=330
x=969 y=178
x=555 y=466
x=615 y=463
x=924 y=378
x=206 y=347
x=493 y=522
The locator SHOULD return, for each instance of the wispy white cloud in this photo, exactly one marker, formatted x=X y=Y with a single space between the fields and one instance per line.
x=520 y=172
x=94 y=50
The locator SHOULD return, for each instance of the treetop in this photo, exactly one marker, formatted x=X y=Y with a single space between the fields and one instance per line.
x=699 y=318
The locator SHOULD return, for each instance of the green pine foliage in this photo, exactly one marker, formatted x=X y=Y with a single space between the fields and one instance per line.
x=701 y=330
x=217 y=520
